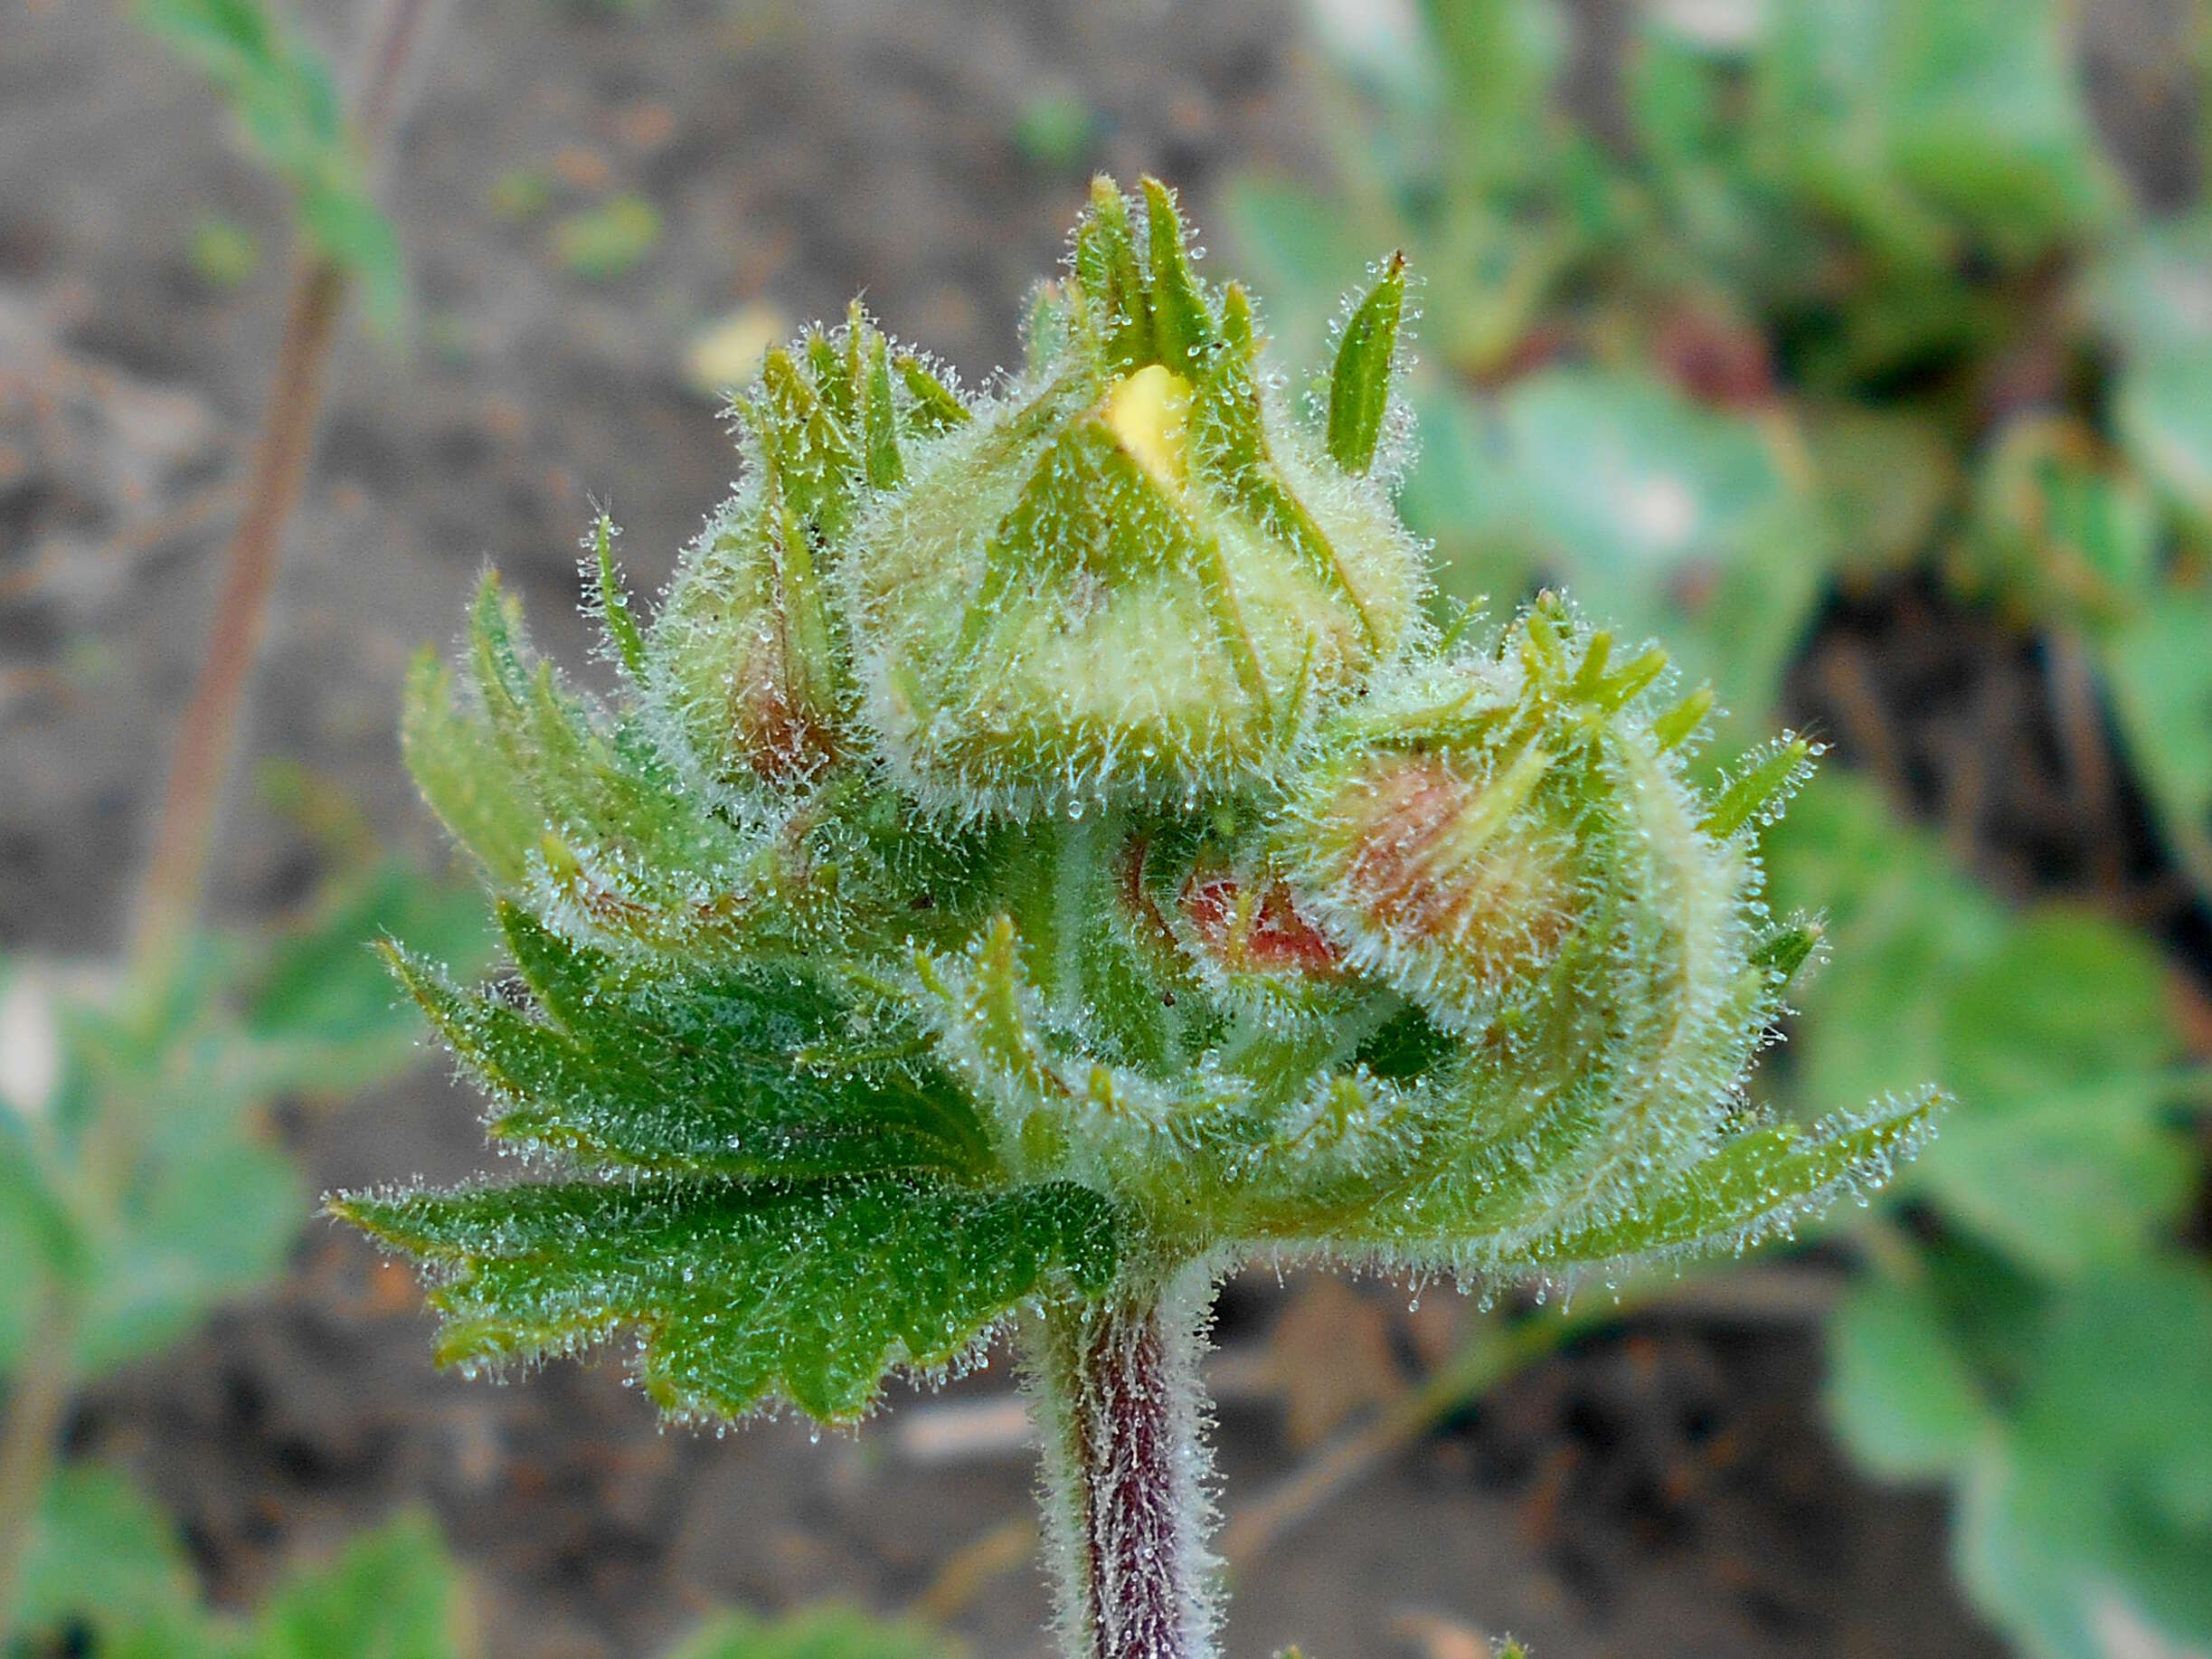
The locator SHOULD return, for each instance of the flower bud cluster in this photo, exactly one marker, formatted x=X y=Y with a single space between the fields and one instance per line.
x=1086 y=743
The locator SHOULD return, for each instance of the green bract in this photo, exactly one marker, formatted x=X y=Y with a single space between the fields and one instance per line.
x=1041 y=846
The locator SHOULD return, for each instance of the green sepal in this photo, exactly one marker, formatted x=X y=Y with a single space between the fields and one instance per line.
x=1359 y=388
x=805 y=444
x=613 y=601
x=552 y=797
x=1182 y=323
x=1770 y=780
x=936 y=407
x=1674 y=728
x=1787 y=947
x=1228 y=435
x=1756 y=1183
x=1118 y=306
x=879 y=426
x=744 y=1292
x=481 y=799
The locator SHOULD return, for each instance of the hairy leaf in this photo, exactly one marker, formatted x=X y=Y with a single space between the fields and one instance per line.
x=742 y=1292
x=1757 y=1182
x=740 y=1073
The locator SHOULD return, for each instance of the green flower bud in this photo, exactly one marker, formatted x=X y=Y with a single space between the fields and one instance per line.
x=1132 y=578
x=1507 y=836
x=751 y=660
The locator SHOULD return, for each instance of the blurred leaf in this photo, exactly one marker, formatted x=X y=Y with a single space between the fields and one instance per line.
x=287 y=103
x=611 y=239
x=2071 y=538
x=150 y=1189
x=2091 y=1534
x=2159 y=671
x=38 y=1238
x=520 y=194
x=324 y=995
x=1298 y=248
x=2067 y=998
x=2052 y=1029
x=1911 y=119
x=1898 y=1390
x=181 y=1632
x=1651 y=509
x=99 y=1555
x=2125 y=1385
x=2151 y=293
x=1499 y=60
x=158 y=1161
x=2163 y=409
x=223 y=254
x=1054 y=128
x=213 y=1222
x=1903 y=924
x=390 y=1594
x=2152 y=298
x=815 y=1633
x=393 y=1593
x=2065 y=1179
x=1885 y=475
x=2058 y=1046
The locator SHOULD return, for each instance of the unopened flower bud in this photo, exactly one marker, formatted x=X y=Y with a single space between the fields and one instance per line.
x=749 y=652
x=1133 y=578
x=1507 y=839
x=1444 y=875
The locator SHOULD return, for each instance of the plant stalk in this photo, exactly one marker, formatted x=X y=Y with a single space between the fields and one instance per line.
x=176 y=874
x=184 y=831
x=1115 y=1384
x=30 y=1438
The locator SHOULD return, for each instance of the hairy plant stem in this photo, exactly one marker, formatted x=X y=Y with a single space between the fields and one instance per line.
x=1117 y=1387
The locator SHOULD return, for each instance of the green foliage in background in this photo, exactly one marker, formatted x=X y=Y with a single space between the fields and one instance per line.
x=141 y=1182
x=110 y=1572
x=110 y=1577
x=289 y=111
x=147 y=1184
x=1842 y=288
x=815 y=1633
